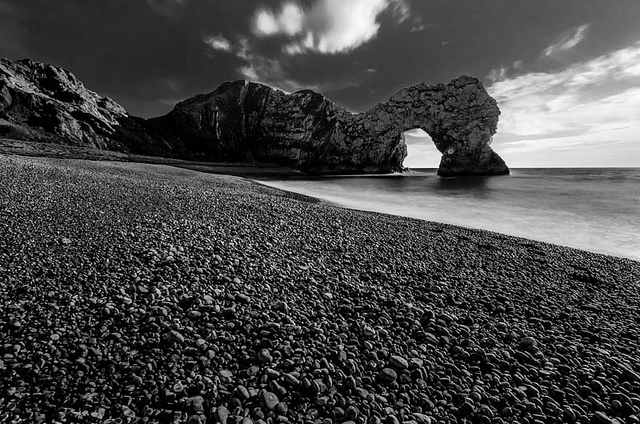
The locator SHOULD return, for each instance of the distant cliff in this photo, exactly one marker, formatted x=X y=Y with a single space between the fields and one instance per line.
x=243 y=121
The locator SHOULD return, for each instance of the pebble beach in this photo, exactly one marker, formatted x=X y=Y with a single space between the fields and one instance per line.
x=140 y=293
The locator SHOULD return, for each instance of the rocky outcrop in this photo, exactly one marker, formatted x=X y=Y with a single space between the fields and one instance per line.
x=42 y=102
x=460 y=117
x=45 y=103
x=249 y=121
x=244 y=121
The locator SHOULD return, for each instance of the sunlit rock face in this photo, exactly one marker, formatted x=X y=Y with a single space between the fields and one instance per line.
x=246 y=121
x=41 y=102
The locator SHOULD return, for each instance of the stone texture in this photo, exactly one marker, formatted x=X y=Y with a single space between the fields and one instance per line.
x=81 y=342
x=245 y=122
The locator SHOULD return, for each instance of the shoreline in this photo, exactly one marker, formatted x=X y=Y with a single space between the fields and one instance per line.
x=379 y=203
x=136 y=291
x=264 y=174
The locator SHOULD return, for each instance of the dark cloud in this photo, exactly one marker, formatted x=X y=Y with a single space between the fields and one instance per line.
x=166 y=7
x=146 y=54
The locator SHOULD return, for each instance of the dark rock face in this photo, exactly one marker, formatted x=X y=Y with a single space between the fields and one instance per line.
x=304 y=130
x=243 y=121
x=45 y=103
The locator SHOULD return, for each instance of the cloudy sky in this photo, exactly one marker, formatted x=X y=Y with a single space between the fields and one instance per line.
x=566 y=73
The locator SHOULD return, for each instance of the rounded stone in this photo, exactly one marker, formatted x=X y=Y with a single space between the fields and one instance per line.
x=388 y=374
x=398 y=362
x=270 y=400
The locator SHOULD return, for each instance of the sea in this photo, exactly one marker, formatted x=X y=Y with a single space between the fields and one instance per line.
x=594 y=209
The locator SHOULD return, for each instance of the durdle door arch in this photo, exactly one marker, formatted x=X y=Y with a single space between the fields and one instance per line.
x=242 y=121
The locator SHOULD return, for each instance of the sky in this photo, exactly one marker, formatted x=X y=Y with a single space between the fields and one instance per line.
x=565 y=73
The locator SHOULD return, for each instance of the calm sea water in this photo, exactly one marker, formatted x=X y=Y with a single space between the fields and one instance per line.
x=595 y=209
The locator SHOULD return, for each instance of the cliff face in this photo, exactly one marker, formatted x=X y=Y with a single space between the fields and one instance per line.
x=304 y=130
x=242 y=121
x=41 y=102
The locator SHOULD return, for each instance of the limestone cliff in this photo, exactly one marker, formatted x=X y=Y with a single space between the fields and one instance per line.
x=243 y=121
x=248 y=121
x=42 y=102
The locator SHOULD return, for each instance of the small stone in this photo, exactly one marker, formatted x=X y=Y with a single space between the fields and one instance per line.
x=128 y=412
x=391 y=419
x=363 y=393
x=291 y=380
x=178 y=387
x=174 y=336
x=242 y=392
x=398 y=362
x=242 y=298
x=388 y=375
x=601 y=418
x=272 y=373
x=630 y=375
x=264 y=356
x=282 y=408
x=195 y=404
x=223 y=414
x=466 y=408
x=270 y=400
x=415 y=363
x=422 y=418
x=352 y=412
x=99 y=413
x=197 y=419
x=226 y=374
x=528 y=341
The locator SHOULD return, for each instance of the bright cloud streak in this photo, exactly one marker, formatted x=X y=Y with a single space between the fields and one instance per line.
x=596 y=102
x=568 y=41
x=327 y=26
x=288 y=21
x=218 y=42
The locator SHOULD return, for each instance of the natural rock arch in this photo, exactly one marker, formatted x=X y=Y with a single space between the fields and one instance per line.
x=243 y=121
x=460 y=117
x=306 y=131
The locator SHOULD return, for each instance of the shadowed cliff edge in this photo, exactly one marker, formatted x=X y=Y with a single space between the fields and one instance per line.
x=248 y=122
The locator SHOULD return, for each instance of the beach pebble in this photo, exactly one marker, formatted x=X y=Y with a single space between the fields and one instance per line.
x=277 y=309
x=270 y=400
x=388 y=375
x=174 y=336
x=398 y=362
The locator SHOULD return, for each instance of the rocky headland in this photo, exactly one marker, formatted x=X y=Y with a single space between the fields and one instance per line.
x=250 y=122
x=138 y=293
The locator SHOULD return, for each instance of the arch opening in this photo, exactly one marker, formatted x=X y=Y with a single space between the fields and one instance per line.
x=421 y=150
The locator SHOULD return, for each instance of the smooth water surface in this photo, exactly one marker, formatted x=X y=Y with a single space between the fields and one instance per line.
x=595 y=209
